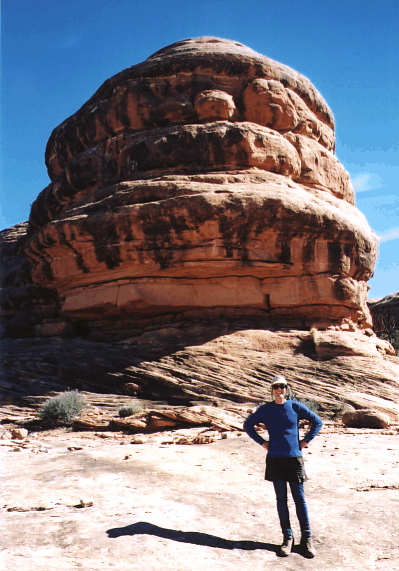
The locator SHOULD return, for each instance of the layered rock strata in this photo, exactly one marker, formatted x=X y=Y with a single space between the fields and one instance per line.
x=183 y=368
x=24 y=305
x=202 y=182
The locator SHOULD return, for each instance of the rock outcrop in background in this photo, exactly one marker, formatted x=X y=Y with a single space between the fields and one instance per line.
x=24 y=304
x=194 y=196
x=385 y=313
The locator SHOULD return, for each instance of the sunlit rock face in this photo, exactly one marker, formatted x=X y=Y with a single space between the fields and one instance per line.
x=202 y=182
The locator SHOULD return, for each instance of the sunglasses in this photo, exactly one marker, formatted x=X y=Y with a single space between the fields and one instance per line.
x=279 y=387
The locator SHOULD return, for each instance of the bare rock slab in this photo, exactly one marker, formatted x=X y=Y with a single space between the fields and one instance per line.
x=174 y=507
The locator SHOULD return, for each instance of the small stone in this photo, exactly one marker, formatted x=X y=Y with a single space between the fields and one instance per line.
x=19 y=433
x=139 y=440
x=83 y=504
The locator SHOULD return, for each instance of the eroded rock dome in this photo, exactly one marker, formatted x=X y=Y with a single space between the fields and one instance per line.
x=202 y=181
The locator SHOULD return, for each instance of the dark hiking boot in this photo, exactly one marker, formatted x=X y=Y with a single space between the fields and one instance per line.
x=308 y=547
x=286 y=546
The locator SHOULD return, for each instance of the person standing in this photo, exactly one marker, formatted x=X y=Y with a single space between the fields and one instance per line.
x=284 y=461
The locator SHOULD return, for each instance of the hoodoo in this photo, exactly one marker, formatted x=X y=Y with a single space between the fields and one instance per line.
x=201 y=182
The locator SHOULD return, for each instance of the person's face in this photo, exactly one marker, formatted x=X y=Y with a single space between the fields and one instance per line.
x=280 y=390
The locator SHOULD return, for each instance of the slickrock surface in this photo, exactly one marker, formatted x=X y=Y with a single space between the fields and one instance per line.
x=236 y=367
x=203 y=179
x=74 y=501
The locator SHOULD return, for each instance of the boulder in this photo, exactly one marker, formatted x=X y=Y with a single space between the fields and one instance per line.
x=363 y=400
x=196 y=228
x=365 y=418
x=19 y=433
x=329 y=344
x=92 y=419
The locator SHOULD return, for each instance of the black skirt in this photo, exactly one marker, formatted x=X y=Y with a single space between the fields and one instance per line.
x=289 y=469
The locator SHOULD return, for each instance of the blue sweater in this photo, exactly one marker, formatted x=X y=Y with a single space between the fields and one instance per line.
x=281 y=421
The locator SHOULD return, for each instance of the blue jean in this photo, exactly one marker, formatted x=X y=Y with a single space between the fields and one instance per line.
x=298 y=493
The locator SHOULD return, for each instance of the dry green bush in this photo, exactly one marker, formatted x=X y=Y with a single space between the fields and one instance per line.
x=63 y=408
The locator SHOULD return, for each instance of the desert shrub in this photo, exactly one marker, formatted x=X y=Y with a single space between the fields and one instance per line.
x=393 y=338
x=386 y=327
x=63 y=408
x=311 y=404
x=130 y=409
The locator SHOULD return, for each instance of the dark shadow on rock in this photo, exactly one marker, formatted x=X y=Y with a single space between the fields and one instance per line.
x=194 y=537
x=307 y=348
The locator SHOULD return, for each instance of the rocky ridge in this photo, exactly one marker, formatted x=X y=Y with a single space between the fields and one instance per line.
x=385 y=312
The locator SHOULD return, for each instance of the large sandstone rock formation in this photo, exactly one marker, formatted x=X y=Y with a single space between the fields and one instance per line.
x=199 y=183
x=198 y=237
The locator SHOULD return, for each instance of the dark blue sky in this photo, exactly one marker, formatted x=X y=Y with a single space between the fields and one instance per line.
x=56 y=54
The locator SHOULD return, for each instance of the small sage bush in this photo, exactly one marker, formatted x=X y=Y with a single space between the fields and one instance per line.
x=62 y=408
x=393 y=338
x=311 y=404
x=129 y=410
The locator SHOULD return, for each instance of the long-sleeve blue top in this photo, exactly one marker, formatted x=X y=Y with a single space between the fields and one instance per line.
x=281 y=421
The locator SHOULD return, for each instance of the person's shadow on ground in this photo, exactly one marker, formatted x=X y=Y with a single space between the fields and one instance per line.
x=193 y=537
